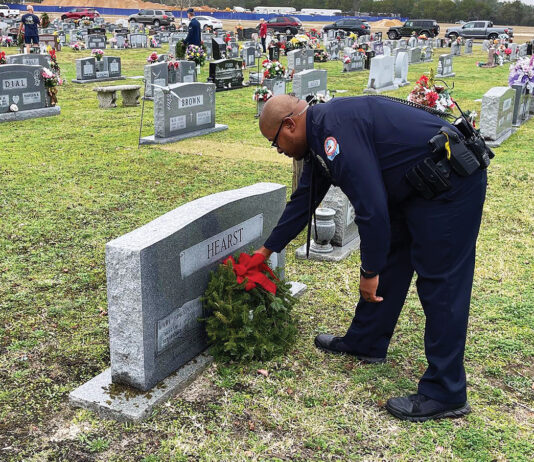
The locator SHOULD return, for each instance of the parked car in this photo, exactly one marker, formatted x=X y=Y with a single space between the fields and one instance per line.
x=206 y=22
x=155 y=17
x=355 y=25
x=285 y=24
x=80 y=13
x=428 y=27
x=6 y=12
x=478 y=30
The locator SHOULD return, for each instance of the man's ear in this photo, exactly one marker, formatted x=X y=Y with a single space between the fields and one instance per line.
x=290 y=123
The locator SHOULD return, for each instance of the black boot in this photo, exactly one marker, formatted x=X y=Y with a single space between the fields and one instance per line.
x=419 y=408
x=330 y=344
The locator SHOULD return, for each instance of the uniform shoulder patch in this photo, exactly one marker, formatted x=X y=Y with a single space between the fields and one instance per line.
x=331 y=148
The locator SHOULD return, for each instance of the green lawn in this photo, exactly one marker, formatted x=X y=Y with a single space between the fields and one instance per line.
x=73 y=182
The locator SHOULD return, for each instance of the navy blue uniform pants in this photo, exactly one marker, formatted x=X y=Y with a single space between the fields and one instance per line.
x=436 y=239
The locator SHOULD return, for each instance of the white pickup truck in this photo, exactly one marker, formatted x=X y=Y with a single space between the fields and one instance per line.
x=5 y=12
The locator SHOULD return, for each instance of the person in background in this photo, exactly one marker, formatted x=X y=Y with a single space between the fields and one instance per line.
x=30 y=22
x=193 y=31
x=263 y=33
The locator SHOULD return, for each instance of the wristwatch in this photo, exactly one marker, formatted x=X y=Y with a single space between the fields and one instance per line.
x=367 y=274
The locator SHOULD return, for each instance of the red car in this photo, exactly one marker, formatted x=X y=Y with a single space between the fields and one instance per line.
x=81 y=13
x=284 y=24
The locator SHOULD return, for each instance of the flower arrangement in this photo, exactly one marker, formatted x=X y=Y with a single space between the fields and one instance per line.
x=50 y=79
x=153 y=42
x=298 y=41
x=153 y=58
x=6 y=41
x=353 y=36
x=173 y=65
x=250 y=310
x=272 y=69
x=313 y=33
x=262 y=94
x=522 y=72
x=97 y=53
x=320 y=56
x=227 y=38
x=53 y=61
x=346 y=59
x=78 y=46
x=471 y=117
x=196 y=53
x=422 y=37
x=427 y=93
x=3 y=59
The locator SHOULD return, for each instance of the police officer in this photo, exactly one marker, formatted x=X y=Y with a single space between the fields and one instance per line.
x=193 y=30
x=414 y=214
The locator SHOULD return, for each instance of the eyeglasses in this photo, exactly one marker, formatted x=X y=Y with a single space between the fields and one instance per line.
x=274 y=144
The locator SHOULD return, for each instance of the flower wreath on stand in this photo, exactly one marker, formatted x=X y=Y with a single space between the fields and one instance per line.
x=262 y=94
x=272 y=69
x=427 y=93
x=51 y=81
x=250 y=310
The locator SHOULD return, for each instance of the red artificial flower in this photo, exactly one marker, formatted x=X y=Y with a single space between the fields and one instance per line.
x=508 y=51
x=266 y=73
x=431 y=98
x=264 y=62
x=423 y=81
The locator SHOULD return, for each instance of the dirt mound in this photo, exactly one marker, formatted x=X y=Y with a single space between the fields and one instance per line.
x=387 y=23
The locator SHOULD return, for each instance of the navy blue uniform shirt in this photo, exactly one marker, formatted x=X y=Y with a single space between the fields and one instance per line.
x=30 y=22
x=193 y=33
x=368 y=143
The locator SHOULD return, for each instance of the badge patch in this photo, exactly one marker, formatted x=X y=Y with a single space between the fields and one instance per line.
x=331 y=147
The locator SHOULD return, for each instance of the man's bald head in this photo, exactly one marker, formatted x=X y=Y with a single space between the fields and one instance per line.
x=275 y=110
x=30 y=8
x=283 y=120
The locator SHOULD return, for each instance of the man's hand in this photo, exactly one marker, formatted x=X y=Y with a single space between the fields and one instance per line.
x=264 y=251
x=368 y=289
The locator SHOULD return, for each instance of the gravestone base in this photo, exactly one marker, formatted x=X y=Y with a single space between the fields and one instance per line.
x=440 y=76
x=523 y=121
x=374 y=91
x=172 y=139
x=30 y=114
x=233 y=87
x=124 y=403
x=496 y=143
x=338 y=254
x=106 y=79
x=400 y=83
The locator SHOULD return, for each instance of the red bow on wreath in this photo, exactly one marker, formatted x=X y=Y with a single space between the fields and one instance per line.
x=252 y=268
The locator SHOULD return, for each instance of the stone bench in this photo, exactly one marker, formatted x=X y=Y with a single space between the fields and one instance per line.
x=107 y=96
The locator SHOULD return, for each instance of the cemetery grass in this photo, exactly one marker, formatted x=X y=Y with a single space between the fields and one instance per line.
x=71 y=183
